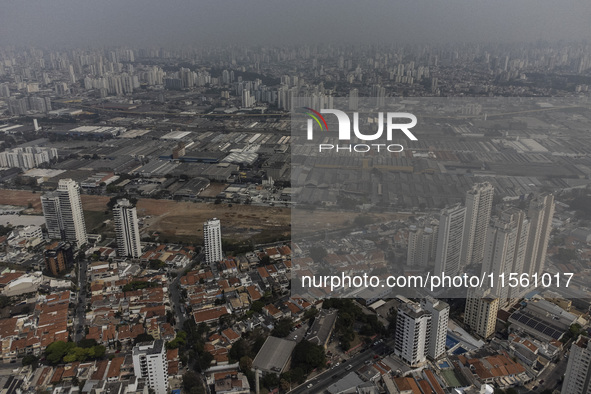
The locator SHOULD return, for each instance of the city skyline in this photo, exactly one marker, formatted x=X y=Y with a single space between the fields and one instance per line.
x=194 y=197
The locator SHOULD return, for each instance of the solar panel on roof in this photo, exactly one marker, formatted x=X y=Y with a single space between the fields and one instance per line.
x=537 y=325
x=548 y=331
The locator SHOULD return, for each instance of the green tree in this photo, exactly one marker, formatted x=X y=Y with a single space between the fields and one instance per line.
x=113 y=189
x=178 y=341
x=282 y=327
x=258 y=340
x=68 y=352
x=190 y=379
x=245 y=363
x=143 y=337
x=57 y=350
x=99 y=351
x=257 y=306
x=197 y=389
x=294 y=376
x=310 y=313
x=32 y=360
x=270 y=381
x=239 y=349
x=5 y=230
x=345 y=344
x=308 y=356
x=204 y=361
x=87 y=343
x=156 y=264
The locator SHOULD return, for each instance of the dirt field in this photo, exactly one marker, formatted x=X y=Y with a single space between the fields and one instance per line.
x=177 y=220
x=184 y=220
x=21 y=198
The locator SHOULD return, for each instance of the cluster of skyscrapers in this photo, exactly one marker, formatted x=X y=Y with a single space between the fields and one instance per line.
x=63 y=213
x=27 y=158
x=64 y=219
x=510 y=241
x=515 y=243
x=20 y=106
x=462 y=231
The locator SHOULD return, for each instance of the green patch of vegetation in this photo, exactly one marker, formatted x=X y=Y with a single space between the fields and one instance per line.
x=143 y=337
x=4 y=230
x=192 y=384
x=32 y=360
x=282 y=327
x=94 y=219
x=565 y=255
x=174 y=239
x=138 y=285
x=179 y=340
x=68 y=352
x=271 y=235
x=156 y=264
x=308 y=356
x=349 y=314
x=310 y=313
x=573 y=333
x=234 y=248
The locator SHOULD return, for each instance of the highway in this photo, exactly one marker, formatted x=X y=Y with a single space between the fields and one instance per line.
x=98 y=109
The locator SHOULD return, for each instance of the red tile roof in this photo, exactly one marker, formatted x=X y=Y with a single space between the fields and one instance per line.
x=115 y=367
x=230 y=334
x=208 y=315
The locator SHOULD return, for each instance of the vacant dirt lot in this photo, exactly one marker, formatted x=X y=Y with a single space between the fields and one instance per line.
x=184 y=220
x=21 y=198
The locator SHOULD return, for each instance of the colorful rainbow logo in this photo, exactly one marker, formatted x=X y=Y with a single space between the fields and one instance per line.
x=315 y=115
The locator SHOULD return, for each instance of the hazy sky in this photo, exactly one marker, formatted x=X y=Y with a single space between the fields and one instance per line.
x=182 y=22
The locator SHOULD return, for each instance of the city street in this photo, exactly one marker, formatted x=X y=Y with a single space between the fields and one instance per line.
x=175 y=294
x=322 y=381
x=80 y=312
